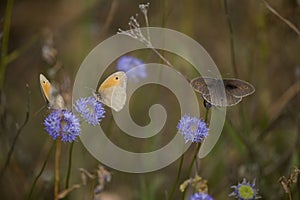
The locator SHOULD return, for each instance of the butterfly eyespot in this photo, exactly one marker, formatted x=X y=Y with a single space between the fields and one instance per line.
x=230 y=86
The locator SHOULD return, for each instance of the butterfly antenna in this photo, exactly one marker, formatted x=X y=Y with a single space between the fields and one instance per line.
x=39 y=110
x=90 y=88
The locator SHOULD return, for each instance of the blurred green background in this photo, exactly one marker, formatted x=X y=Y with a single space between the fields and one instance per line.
x=260 y=139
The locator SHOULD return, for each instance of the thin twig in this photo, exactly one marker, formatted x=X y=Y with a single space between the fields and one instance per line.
x=19 y=130
x=57 y=166
x=110 y=16
x=278 y=107
x=144 y=9
x=290 y=24
x=66 y=192
x=232 y=54
x=4 y=48
x=41 y=172
x=232 y=50
x=136 y=33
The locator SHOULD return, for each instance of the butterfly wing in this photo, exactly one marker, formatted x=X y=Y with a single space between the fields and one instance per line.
x=238 y=88
x=56 y=100
x=51 y=94
x=45 y=87
x=218 y=101
x=118 y=98
x=211 y=90
x=112 y=92
x=200 y=86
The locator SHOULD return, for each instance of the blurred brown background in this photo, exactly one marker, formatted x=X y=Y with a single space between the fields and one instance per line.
x=260 y=139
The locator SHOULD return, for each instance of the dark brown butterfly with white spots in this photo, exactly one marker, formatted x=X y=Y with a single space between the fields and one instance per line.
x=211 y=90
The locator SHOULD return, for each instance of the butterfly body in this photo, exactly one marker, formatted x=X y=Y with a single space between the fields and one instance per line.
x=112 y=92
x=211 y=90
x=51 y=94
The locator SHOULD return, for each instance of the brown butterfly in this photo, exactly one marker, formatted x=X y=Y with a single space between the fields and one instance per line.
x=211 y=90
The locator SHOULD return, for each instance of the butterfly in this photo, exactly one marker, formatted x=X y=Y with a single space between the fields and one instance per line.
x=235 y=90
x=112 y=92
x=51 y=94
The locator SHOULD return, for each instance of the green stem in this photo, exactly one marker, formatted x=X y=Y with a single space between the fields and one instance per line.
x=194 y=159
x=191 y=167
x=69 y=168
x=177 y=178
x=206 y=115
x=69 y=165
x=41 y=172
x=17 y=52
x=232 y=50
x=5 y=39
x=195 y=155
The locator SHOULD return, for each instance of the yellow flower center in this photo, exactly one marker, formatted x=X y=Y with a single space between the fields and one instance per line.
x=246 y=192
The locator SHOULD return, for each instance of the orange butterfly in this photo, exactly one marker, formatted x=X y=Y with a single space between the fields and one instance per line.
x=51 y=94
x=112 y=92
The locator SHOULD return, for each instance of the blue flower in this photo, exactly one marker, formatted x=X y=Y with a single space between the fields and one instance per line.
x=126 y=63
x=201 y=196
x=62 y=124
x=192 y=128
x=245 y=191
x=90 y=109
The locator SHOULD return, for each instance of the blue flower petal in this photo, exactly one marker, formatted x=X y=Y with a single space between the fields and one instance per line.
x=245 y=191
x=192 y=128
x=90 y=109
x=63 y=124
x=126 y=63
x=201 y=196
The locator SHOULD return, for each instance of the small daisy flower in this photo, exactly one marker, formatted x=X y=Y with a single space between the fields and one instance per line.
x=62 y=124
x=245 y=191
x=125 y=63
x=192 y=128
x=90 y=110
x=201 y=196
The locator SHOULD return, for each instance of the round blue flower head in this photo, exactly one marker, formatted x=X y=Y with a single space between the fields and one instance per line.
x=90 y=110
x=201 y=196
x=245 y=191
x=192 y=128
x=62 y=124
x=125 y=63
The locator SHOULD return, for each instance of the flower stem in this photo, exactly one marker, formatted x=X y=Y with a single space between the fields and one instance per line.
x=195 y=155
x=57 y=165
x=194 y=159
x=69 y=165
x=41 y=172
x=191 y=166
x=177 y=178
x=69 y=168
x=206 y=115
